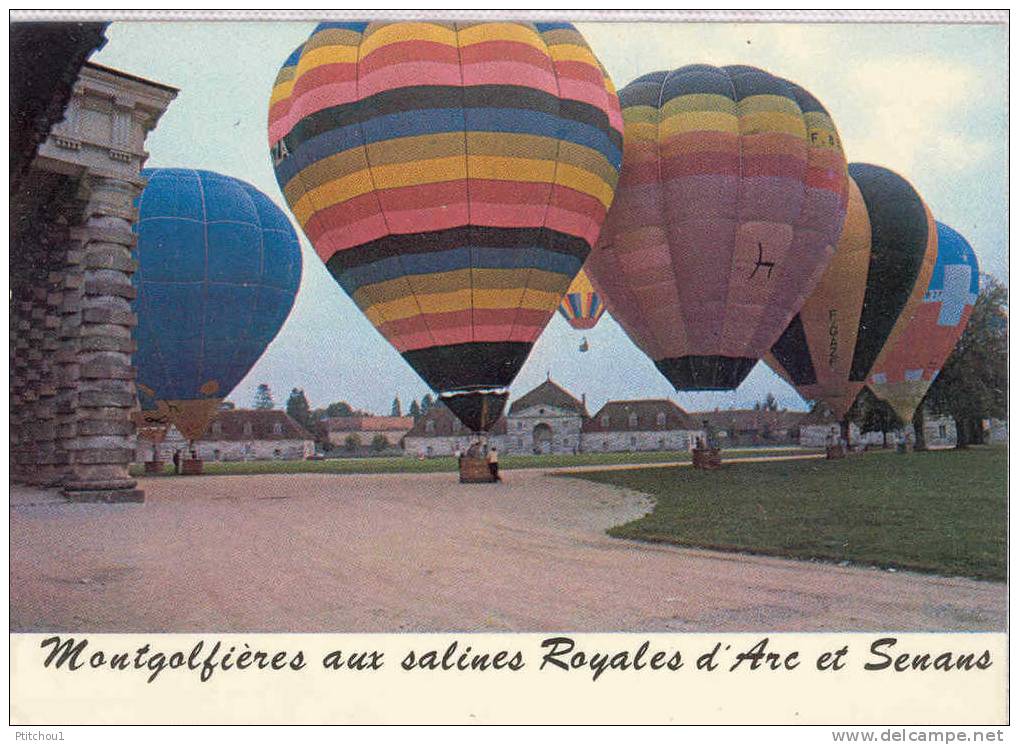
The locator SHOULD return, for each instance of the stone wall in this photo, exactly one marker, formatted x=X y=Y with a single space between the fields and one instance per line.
x=564 y=425
x=615 y=442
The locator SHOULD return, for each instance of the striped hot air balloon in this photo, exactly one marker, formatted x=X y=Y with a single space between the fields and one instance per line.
x=913 y=360
x=582 y=307
x=453 y=177
x=218 y=270
x=876 y=282
x=730 y=203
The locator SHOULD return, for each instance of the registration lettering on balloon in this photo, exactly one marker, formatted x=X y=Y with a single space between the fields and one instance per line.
x=761 y=262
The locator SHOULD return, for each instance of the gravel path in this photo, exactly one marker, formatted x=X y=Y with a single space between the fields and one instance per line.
x=397 y=552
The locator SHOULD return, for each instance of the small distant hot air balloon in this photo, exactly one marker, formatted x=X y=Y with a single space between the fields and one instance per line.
x=453 y=177
x=876 y=280
x=582 y=307
x=219 y=265
x=731 y=199
x=913 y=361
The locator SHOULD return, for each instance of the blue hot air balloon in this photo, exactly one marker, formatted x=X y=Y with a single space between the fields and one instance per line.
x=219 y=267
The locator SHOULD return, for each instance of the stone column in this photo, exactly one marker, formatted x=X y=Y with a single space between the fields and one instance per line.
x=71 y=284
x=22 y=455
x=104 y=441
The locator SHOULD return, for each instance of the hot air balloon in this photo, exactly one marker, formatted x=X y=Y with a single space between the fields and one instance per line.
x=453 y=177
x=218 y=269
x=731 y=199
x=582 y=307
x=911 y=363
x=881 y=268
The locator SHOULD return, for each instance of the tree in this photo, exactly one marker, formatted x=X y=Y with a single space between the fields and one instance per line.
x=263 y=397
x=414 y=410
x=396 y=409
x=339 y=409
x=426 y=403
x=973 y=383
x=379 y=443
x=299 y=410
x=875 y=415
x=352 y=443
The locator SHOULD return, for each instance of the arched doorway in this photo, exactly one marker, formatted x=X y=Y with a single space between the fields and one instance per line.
x=542 y=438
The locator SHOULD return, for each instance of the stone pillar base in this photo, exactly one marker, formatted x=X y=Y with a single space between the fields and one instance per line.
x=105 y=495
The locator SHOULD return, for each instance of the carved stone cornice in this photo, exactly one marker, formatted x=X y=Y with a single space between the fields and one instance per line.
x=105 y=124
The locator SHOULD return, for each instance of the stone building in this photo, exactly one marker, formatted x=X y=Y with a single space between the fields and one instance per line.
x=547 y=419
x=73 y=184
x=240 y=434
x=366 y=429
x=820 y=427
x=255 y=434
x=752 y=427
x=820 y=424
x=652 y=424
x=439 y=433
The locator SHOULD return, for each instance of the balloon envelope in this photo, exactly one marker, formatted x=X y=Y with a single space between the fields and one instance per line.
x=453 y=177
x=219 y=265
x=882 y=266
x=731 y=199
x=582 y=307
x=912 y=363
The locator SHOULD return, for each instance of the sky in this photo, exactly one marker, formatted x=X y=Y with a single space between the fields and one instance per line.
x=928 y=101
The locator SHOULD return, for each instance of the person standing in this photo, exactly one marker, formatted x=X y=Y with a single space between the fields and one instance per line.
x=176 y=461
x=493 y=464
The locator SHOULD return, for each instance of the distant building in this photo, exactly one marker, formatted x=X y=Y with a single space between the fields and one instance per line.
x=742 y=427
x=820 y=424
x=550 y=419
x=547 y=419
x=820 y=428
x=652 y=424
x=367 y=428
x=439 y=433
x=240 y=434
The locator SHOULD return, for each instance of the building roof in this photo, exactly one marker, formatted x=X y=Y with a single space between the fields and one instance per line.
x=445 y=424
x=749 y=420
x=641 y=415
x=231 y=426
x=549 y=394
x=368 y=423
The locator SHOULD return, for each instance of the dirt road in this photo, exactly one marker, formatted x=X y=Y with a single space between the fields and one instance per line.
x=421 y=552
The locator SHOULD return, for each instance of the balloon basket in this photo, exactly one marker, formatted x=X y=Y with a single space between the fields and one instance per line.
x=708 y=459
x=475 y=471
x=192 y=467
x=834 y=452
x=153 y=466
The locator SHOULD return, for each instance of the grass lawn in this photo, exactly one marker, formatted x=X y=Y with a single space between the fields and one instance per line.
x=431 y=465
x=942 y=511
